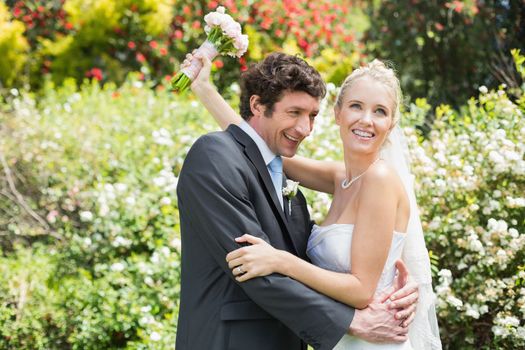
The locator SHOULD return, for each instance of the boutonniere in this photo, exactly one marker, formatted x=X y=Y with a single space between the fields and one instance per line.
x=289 y=191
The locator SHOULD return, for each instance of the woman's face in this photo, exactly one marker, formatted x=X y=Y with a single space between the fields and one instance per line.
x=365 y=116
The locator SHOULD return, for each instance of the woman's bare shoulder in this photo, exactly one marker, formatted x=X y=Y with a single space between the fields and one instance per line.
x=380 y=173
x=382 y=178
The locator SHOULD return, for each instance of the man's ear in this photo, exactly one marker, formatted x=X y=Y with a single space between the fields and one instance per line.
x=255 y=106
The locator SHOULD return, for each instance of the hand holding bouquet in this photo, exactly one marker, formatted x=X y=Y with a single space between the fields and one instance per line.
x=224 y=37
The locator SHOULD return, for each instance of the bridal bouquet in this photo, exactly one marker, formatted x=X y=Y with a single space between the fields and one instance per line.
x=224 y=37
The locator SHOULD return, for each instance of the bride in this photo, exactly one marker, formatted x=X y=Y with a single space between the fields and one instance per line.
x=373 y=219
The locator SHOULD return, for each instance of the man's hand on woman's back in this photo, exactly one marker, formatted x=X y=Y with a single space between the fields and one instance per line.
x=387 y=317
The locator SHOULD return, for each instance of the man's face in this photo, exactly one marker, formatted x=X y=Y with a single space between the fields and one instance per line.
x=291 y=121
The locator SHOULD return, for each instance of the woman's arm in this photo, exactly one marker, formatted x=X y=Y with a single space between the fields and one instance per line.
x=221 y=111
x=370 y=246
x=313 y=174
x=375 y=223
x=261 y=259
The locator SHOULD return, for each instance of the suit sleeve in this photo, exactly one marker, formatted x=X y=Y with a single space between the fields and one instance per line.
x=213 y=196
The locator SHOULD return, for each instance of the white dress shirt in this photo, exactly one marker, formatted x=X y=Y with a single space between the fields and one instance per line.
x=266 y=152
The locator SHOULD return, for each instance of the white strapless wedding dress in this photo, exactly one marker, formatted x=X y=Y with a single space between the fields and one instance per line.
x=329 y=248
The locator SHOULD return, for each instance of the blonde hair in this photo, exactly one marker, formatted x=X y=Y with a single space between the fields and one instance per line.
x=380 y=72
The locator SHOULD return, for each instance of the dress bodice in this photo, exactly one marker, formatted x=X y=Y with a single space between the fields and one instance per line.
x=329 y=247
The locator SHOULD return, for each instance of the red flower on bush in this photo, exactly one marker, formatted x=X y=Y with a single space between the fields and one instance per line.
x=267 y=23
x=456 y=5
x=131 y=45
x=242 y=61
x=153 y=44
x=302 y=43
x=140 y=57
x=95 y=73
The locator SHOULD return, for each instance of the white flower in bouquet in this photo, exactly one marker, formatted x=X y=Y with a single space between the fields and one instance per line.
x=224 y=38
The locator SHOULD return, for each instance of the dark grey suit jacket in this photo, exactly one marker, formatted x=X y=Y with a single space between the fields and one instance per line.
x=225 y=190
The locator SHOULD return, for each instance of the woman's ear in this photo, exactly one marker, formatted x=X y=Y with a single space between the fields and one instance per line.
x=255 y=105
x=337 y=114
x=393 y=125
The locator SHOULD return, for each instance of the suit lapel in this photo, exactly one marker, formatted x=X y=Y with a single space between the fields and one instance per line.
x=254 y=155
x=286 y=201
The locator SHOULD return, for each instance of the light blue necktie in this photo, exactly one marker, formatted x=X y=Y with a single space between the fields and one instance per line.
x=276 y=172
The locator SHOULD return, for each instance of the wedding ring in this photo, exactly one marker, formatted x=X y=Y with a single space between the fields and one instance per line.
x=240 y=270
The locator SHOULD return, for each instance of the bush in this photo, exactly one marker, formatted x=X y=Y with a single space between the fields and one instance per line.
x=107 y=39
x=29 y=318
x=13 y=48
x=101 y=39
x=471 y=176
x=446 y=49
x=91 y=179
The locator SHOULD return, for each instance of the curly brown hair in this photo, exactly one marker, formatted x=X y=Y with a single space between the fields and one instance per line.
x=277 y=73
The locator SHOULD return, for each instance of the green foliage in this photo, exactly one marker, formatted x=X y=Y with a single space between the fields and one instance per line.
x=446 y=49
x=103 y=31
x=28 y=316
x=335 y=66
x=103 y=39
x=13 y=47
x=519 y=61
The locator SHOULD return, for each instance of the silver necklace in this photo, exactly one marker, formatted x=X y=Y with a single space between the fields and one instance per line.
x=345 y=183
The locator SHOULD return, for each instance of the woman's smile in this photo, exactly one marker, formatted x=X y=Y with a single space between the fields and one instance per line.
x=362 y=134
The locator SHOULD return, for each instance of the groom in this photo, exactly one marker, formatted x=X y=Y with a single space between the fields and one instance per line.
x=230 y=184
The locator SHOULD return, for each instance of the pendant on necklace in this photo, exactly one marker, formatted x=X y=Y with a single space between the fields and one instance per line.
x=347 y=183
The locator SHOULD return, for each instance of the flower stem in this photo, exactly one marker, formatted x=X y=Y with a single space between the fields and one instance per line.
x=180 y=82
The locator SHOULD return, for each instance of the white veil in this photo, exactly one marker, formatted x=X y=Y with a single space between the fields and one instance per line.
x=424 y=331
